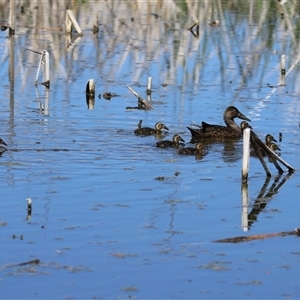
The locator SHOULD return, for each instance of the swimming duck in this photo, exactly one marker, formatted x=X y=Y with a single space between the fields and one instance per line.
x=244 y=125
x=148 y=131
x=268 y=142
x=269 y=139
x=200 y=148
x=108 y=95
x=232 y=130
x=274 y=147
x=2 y=142
x=175 y=143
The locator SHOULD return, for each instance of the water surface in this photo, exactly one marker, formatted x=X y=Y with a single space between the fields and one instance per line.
x=113 y=216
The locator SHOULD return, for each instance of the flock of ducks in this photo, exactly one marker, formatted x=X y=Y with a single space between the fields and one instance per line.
x=200 y=134
x=205 y=133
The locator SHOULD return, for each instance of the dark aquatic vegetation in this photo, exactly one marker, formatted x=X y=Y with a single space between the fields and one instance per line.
x=2 y=146
x=232 y=130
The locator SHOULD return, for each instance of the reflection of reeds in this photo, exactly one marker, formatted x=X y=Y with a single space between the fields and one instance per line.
x=140 y=33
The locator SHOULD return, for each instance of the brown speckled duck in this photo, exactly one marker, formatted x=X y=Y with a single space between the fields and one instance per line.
x=175 y=143
x=200 y=148
x=149 y=131
x=231 y=130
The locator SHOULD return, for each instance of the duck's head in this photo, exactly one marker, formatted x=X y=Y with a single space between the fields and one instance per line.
x=177 y=138
x=270 y=139
x=160 y=126
x=232 y=112
x=244 y=125
x=199 y=146
x=274 y=147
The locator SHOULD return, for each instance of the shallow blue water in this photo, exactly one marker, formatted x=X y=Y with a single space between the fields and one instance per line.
x=115 y=217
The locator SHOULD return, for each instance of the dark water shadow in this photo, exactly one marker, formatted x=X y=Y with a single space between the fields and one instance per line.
x=265 y=196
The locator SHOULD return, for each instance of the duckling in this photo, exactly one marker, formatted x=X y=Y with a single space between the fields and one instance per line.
x=274 y=147
x=200 y=148
x=108 y=95
x=149 y=131
x=269 y=139
x=175 y=143
x=268 y=142
x=215 y=23
x=245 y=125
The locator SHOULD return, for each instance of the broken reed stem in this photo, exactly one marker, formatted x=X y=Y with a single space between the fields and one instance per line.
x=146 y=104
x=149 y=86
x=39 y=68
x=246 y=154
x=46 y=69
x=272 y=154
x=134 y=92
x=90 y=87
x=12 y=17
x=282 y=64
x=259 y=155
x=240 y=239
x=245 y=204
x=195 y=24
x=71 y=20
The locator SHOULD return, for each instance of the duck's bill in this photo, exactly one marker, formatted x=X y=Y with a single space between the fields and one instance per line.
x=241 y=116
x=165 y=127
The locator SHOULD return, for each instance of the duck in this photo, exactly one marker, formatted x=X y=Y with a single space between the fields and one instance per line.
x=244 y=125
x=149 y=131
x=231 y=130
x=268 y=142
x=200 y=148
x=175 y=143
x=274 y=147
x=269 y=139
x=108 y=95
x=2 y=142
